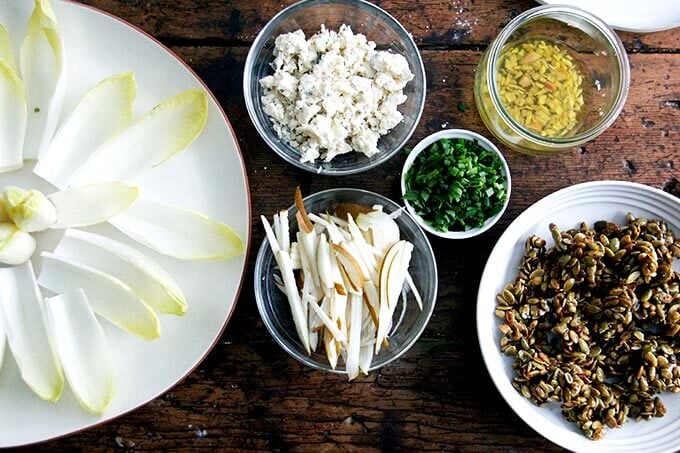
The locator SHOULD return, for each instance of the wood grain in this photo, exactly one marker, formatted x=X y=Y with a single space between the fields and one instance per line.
x=454 y=23
x=248 y=394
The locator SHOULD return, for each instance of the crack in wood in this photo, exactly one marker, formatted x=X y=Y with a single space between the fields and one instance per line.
x=216 y=41
x=672 y=103
x=672 y=186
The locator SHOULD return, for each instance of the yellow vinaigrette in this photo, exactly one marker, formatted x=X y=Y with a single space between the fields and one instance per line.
x=541 y=87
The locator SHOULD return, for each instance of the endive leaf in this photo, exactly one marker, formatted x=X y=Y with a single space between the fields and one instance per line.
x=6 y=49
x=16 y=246
x=30 y=210
x=110 y=298
x=48 y=17
x=82 y=347
x=4 y=217
x=29 y=340
x=104 y=111
x=44 y=73
x=12 y=117
x=151 y=140
x=178 y=232
x=146 y=278
x=89 y=205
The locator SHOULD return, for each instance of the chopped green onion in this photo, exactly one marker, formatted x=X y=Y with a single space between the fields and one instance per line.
x=456 y=184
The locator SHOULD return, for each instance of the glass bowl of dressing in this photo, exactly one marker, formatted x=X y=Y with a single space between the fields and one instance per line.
x=555 y=77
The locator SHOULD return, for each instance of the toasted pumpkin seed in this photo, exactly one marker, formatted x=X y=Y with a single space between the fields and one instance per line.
x=616 y=283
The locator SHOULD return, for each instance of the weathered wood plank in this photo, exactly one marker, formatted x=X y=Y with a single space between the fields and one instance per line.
x=249 y=394
x=463 y=23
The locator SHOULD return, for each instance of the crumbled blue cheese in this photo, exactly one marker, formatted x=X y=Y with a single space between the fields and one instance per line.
x=333 y=93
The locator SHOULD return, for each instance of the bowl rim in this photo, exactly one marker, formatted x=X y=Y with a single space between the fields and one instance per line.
x=485 y=143
x=275 y=143
x=549 y=11
x=300 y=356
x=560 y=435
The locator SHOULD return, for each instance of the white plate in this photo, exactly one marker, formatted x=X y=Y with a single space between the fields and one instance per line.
x=609 y=200
x=209 y=176
x=630 y=15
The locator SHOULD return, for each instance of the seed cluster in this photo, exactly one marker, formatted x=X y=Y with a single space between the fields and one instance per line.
x=594 y=322
x=541 y=87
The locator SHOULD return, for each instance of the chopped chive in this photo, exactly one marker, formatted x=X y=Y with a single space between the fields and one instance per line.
x=456 y=184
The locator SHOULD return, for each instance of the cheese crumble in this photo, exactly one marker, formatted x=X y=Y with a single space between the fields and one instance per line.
x=333 y=93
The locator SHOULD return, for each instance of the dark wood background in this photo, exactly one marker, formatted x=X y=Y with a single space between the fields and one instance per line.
x=248 y=394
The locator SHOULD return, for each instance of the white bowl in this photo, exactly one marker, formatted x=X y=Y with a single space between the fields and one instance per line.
x=589 y=202
x=455 y=133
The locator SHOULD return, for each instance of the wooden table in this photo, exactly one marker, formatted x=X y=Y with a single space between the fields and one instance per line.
x=248 y=393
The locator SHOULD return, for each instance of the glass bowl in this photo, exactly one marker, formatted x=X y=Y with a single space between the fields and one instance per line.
x=597 y=52
x=365 y=18
x=409 y=320
x=483 y=142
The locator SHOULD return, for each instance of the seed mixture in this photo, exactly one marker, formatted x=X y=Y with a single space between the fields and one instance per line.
x=594 y=322
x=541 y=87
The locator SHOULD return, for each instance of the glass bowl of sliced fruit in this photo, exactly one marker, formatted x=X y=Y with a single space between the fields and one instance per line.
x=345 y=280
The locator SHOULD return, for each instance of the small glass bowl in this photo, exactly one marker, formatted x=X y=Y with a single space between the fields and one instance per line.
x=409 y=320
x=595 y=48
x=365 y=18
x=485 y=143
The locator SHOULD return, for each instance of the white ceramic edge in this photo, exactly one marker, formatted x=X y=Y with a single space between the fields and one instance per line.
x=307 y=166
x=340 y=369
x=456 y=133
x=620 y=27
x=247 y=244
x=490 y=348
